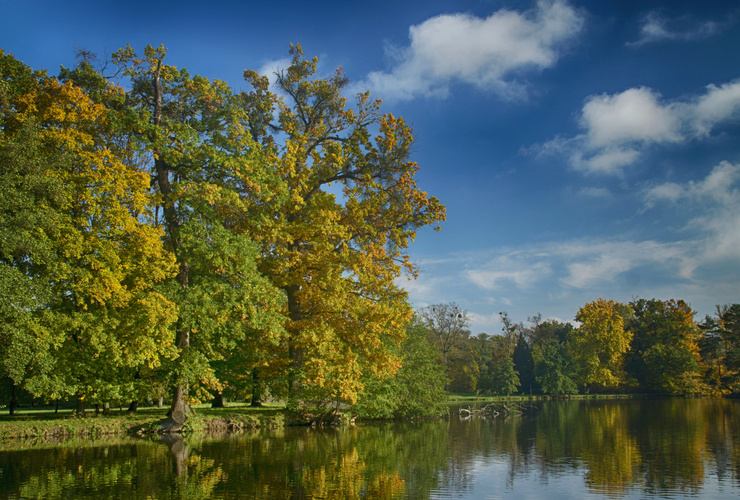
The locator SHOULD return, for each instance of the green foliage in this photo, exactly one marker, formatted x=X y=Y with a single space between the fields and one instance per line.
x=153 y=232
x=449 y=327
x=78 y=244
x=463 y=372
x=555 y=370
x=720 y=349
x=416 y=389
x=495 y=360
x=665 y=350
x=524 y=367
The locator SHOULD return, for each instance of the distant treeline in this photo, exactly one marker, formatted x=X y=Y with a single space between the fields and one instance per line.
x=647 y=346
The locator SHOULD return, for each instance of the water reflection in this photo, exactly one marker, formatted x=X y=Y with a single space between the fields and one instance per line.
x=618 y=449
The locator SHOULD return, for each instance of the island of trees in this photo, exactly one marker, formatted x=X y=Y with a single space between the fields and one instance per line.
x=164 y=237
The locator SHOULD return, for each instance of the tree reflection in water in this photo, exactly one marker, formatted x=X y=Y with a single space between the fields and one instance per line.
x=619 y=448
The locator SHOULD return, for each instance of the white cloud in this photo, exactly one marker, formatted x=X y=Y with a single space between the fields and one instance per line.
x=487 y=53
x=635 y=115
x=718 y=187
x=719 y=184
x=424 y=289
x=605 y=161
x=618 y=128
x=668 y=191
x=592 y=263
x=604 y=267
x=717 y=105
x=655 y=27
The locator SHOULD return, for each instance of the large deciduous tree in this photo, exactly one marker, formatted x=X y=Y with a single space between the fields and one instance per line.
x=338 y=240
x=449 y=325
x=554 y=369
x=599 y=344
x=77 y=242
x=665 y=350
x=208 y=174
x=494 y=356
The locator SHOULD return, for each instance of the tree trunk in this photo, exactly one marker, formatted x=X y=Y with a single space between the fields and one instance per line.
x=80 y=407
x=256 y=389
x=179 y=411
x=133 y=407
x=13 y=398
x=218 y=401
x=295 y=386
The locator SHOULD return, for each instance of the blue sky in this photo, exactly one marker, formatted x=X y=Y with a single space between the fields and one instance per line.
x=583 y=149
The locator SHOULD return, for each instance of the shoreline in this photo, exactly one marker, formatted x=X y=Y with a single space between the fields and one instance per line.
x=45 y=425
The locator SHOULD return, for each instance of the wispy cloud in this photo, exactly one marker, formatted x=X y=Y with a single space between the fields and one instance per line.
x=273 y=67
x=618 y=128
x=508 y=270
x=592 y=263
x=656 y=27
x=427 y=289
x=717 y=199
x=488 y=53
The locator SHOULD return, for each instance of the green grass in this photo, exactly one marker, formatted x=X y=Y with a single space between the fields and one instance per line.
x=45 y=424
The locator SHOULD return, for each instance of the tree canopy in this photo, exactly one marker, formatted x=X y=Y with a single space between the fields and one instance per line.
x=159 y=227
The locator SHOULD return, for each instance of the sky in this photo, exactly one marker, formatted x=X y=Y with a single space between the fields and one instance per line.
x=583 y=149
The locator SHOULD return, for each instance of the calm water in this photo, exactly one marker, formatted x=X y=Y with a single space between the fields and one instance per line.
x=579 y=449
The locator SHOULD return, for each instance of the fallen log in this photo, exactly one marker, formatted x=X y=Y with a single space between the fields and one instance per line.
x=494 y=410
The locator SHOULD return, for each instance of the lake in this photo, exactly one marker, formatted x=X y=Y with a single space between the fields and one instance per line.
x=661 y=448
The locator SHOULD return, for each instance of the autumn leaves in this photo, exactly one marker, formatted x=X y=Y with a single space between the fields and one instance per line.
x=193 y=227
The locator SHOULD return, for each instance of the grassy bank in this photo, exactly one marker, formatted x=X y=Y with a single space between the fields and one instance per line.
x=45 y=423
